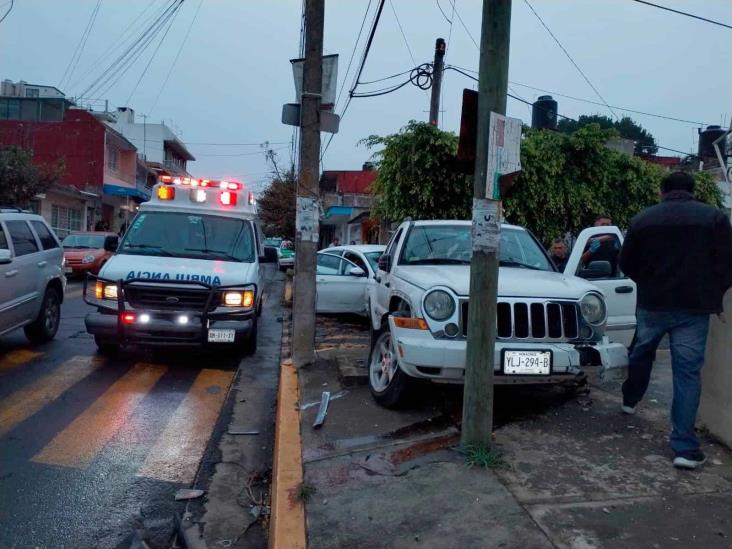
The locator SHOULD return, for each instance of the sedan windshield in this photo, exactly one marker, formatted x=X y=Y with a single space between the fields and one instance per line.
x=83 y=241
x=188 y=235
x=451 y=245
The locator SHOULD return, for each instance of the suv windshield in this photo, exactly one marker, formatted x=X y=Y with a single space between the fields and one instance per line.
x=83 y=241
x=190 y=235
x=451 y=245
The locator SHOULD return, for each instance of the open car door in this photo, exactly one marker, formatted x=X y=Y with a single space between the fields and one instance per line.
x=340 y=285
x=595 y=248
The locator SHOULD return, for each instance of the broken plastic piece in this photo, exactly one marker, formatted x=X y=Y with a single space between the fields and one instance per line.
x=243 y=432
x=188 y=493
x=320 y=418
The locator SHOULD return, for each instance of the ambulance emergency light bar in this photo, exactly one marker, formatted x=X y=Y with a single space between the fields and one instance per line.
x=199 y=187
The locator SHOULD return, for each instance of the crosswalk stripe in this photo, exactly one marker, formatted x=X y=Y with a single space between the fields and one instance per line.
x=22 y=404
x=18 y=357
x=85 y=437
x=179 y=448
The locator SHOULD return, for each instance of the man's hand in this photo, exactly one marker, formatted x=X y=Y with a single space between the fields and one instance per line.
x=594 y=245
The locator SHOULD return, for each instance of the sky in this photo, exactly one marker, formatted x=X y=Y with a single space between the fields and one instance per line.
x=233 y=74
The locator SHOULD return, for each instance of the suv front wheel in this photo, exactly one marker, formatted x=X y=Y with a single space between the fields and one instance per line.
x=387 y=382
x=45 y=326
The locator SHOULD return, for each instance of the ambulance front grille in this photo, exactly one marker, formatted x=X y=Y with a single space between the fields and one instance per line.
x=179 y=299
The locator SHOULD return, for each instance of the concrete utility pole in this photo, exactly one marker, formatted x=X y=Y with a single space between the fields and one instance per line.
x=437 y=69
x=306 y=242
x=477 y=424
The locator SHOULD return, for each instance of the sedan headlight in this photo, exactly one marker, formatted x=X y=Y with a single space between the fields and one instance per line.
x=103 y=290
x=593 y=309
x=238 y=298
x=439 y=305
x=88 y=259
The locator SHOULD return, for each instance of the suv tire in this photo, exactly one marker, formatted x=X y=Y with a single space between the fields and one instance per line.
x=44 y=327
x=388 y=384
x=106 y=347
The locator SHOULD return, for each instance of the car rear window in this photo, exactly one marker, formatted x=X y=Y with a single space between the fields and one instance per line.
x=23 y=240
x=47 y=240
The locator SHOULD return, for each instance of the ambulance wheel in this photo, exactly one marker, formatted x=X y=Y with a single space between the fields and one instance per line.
x=250 y=345
x=106 y=347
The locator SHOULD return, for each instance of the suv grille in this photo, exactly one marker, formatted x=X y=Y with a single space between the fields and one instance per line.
x=533 y=320
x=167 y=298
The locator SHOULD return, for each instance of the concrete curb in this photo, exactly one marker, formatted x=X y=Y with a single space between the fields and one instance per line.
x=287 y=518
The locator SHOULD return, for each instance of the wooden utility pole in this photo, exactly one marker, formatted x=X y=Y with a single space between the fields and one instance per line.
x=477 y=424
x=437 y=69
x=306 y=242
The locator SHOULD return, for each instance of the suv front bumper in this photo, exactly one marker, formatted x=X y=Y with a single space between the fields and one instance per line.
x=421 y=355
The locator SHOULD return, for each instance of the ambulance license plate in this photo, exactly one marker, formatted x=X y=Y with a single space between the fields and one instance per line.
x=221 y=336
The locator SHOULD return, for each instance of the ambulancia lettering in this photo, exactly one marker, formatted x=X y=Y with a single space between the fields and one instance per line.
x=205 y=279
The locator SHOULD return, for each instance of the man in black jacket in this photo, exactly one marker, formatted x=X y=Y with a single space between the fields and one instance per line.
x=679 y=252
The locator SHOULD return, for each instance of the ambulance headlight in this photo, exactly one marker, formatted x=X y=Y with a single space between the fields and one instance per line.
x=105 y=290
x=238 y=298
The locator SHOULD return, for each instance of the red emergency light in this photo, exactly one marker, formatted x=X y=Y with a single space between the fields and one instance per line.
x=166 y=179
x=227 y=198
x=128 y=318
x=230 y=186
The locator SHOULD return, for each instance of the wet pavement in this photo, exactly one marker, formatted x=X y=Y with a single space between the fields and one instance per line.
x=93 y=449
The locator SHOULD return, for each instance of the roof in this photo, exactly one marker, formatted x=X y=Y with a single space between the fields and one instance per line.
x=363 y=248
x=423 y=222
x=180 y=148
x=667 y=161
x=350 y=181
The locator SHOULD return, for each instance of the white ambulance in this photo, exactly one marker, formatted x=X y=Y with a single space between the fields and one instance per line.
x=186 y=273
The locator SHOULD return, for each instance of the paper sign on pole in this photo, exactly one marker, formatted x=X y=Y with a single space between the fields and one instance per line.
x=504 y=152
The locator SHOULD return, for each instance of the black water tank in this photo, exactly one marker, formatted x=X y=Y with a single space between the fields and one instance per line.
x=544 y=113
x=706 y=143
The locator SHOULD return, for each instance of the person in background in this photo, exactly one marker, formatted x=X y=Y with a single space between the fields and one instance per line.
x=679 y=253
x=559 y=253
x=602 y=248
x=335 y=242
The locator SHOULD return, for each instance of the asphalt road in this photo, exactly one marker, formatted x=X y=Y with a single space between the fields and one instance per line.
x=92 y=450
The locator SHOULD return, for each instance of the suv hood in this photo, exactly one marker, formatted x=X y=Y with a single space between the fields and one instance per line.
x=213 y=272
x=512 y=281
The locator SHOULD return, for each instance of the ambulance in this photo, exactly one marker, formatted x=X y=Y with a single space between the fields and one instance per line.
x=188 y=272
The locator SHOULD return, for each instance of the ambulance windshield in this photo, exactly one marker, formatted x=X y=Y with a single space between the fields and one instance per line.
x=189 y=235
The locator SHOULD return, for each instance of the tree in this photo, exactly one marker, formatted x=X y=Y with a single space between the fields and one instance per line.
x=626 y=127
x=568 y=179
x=276 y=205
x=20 y=179
x=416 y=177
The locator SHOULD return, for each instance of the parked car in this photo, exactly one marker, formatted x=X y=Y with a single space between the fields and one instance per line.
x=286 y=255
x=32 y=281
x=343 y=276
x=86 y=253
x=548 y=325
x=272 y=242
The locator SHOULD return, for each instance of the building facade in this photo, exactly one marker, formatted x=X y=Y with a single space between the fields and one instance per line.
x=346 y=198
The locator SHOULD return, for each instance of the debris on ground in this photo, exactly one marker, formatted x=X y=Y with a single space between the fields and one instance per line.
x=323 y=410
x=188 y=493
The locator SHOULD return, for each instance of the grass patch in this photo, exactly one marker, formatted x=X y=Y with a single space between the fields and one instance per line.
x=476 y=456
x=305 y=493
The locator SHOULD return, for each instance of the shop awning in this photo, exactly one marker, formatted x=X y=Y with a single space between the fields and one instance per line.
x=338 y=211
x=360 y=218
x=119 y=190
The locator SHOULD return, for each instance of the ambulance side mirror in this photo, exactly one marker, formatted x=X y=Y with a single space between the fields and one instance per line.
x=111 y=243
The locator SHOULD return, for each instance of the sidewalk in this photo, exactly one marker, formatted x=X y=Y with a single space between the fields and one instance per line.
x=577 y=473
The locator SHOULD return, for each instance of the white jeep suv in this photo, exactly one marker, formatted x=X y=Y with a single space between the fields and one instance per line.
x=31 y=276
x=548 y=325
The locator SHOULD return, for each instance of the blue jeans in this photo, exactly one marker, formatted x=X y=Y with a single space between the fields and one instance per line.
x=688 y=335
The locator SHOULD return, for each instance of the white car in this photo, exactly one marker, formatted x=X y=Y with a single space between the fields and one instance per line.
x=548 y=325
x=343 y=276
x=32 y=281
x=186 y=273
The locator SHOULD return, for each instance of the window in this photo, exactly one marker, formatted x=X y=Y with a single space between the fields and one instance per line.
x=52 y=110
x=603 y=247
x=9 y=109
x=65 y=220
x=29 y=110
x=329 y=264
x=112 y=157
x=31 y=92
x=47 y=240
x=23 y=240
x=3 y=239
x=356 y=259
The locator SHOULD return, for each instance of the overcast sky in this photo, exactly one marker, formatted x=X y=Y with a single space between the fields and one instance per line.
x=233 y=73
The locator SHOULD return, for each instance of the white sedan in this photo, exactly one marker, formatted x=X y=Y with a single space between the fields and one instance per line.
x=343 y=276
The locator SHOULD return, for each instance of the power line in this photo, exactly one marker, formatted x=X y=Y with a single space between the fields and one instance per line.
x=7 y=12
x=263 y=151
x=353 y=53
x=443 y=12
x=368 y=44
x=79 y=50
x=684 y=13
x=386 y=78
x=401 y=29
x=177 y=55
x=576 y=66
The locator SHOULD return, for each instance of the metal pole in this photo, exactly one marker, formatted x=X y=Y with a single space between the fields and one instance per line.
x=306 y=242
x=437 y=69
x=477 y=423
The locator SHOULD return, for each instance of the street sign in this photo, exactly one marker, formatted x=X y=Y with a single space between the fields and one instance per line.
x=504 y=152
x=330 y=79
x=329 y=122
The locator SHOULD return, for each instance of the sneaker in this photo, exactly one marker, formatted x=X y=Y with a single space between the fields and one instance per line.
x=629 y=410
x=690 y=460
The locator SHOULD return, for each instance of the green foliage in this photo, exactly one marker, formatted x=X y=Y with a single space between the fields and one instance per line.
x=276 y=205
x=305 y=492
x=20 y=179
x=626 y=127
x=415 y=175
x=567 y=180
x=475 y=456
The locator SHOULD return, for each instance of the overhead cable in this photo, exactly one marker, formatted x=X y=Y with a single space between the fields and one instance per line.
x=685 y=13
x=353 y=53
x=79 y=50
x=7 y=12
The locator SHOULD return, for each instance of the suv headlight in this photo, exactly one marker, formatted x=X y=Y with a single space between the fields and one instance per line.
x=87 y=259
x=439 y=305
x=593 y=309
x=104 y=290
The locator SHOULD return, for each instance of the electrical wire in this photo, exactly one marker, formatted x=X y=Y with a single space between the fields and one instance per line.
x=263 y=151
x=443 y=12
x=401 y=29
x=386 y=78
x=576 y=66
x=7 y=12
x=353 y=53
x=79 y=50
x=367 y=49
x=175 y=60
x=684 y=13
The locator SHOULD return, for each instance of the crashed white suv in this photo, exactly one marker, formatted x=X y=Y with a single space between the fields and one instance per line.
x=549 y=325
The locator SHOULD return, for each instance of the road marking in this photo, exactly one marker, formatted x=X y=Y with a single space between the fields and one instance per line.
x=24 y=403
x=179 y=448
x=16 y=358
x=85 y=437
